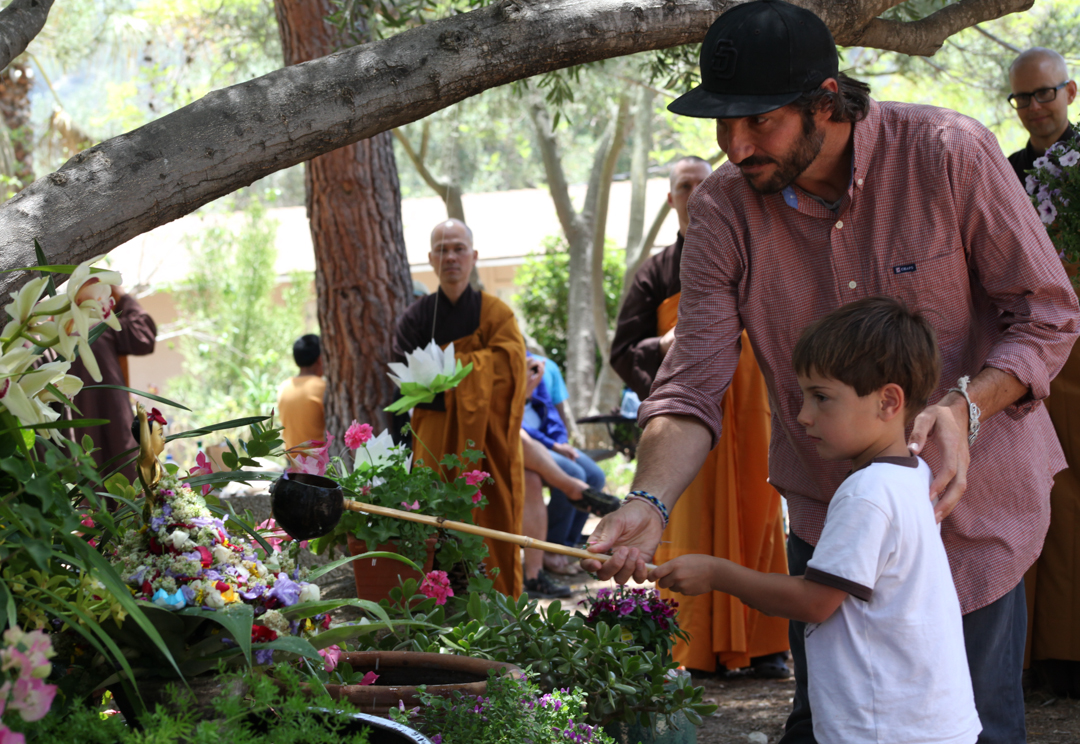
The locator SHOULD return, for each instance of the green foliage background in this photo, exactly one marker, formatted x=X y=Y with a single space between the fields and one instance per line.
x=545 y=295
x=240 y=321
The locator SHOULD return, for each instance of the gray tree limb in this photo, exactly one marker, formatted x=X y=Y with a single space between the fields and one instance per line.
x=20 y=22
x=137 y=181
x=924 y=37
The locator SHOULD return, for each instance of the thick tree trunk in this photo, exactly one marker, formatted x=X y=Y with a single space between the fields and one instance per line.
x=20 y=22
x=108 y=194
x=361 y=268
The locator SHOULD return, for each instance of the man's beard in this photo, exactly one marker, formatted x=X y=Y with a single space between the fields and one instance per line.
x=791 y=167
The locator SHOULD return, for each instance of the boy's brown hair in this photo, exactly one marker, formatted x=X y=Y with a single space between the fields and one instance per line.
x=869 y=343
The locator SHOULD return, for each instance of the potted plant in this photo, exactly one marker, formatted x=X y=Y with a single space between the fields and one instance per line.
x=382 y=473
x=1054 y=187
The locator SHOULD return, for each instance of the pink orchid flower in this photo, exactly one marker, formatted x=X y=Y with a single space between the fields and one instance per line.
x=331 y=655
x=203 y=466
x=436 y=585
x=357 y=435
x=410 y=507
x=310 y=457
x=369 y=678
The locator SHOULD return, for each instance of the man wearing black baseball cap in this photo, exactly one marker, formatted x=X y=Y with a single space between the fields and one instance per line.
x=828 y=197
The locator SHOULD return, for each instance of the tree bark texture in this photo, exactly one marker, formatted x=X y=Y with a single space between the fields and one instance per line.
x=362 y=278
x=20 y=22
x=108 y=194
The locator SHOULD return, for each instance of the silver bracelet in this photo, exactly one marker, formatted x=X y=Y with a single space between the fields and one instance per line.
x=973 y=410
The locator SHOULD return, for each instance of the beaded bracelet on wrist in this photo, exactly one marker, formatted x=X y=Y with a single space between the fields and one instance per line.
x=650 y=499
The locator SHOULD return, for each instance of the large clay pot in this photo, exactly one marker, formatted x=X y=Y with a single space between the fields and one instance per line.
x=401 y=672
x=380 y=730
x=375 y=577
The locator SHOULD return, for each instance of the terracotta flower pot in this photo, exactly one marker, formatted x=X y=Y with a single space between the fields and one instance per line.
x=400 y=672
x=377 y=576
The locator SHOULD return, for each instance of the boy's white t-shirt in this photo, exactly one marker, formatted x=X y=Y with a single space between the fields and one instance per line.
x=889 y=666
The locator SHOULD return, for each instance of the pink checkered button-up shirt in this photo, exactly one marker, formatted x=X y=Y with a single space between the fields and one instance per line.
x=934 y=215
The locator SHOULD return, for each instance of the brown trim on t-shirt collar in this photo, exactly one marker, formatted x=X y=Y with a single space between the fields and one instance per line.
x=907 y=462
x=858 y=591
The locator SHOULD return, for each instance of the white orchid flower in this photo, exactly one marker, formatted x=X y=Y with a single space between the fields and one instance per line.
x=378 y=452
x=70 y=339
x=19 y=390
x=424 y=365
x=22 y=303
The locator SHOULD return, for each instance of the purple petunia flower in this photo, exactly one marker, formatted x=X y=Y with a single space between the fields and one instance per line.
x=285 y=590
x=264 y=656
x=1047 y=212
x=1071 y=158
x=255 y=592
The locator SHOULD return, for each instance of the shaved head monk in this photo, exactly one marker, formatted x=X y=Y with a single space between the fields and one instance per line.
x=487 y=407
x=729 y=510
x=1041 y=94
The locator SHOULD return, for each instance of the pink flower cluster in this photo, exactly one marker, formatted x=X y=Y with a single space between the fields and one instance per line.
x=357 y=435
x=203 y=466
x=436 y=585
x=25 y=661
x=475 y=478
x=310 y=457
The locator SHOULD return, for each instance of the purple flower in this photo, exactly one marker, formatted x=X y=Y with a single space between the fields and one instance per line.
x=1047 y=212
x=137 y=577
x=255 y=592
x=156 y=523
x=264 y=656
x=285 y=590
x=211 y=574
x=436 y=739
x=294 y=627
x=1071 y=158
x=189 y=594
x=166 y=509
x=203 y=521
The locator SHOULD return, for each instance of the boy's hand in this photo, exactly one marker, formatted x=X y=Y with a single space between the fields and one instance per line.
x=687 y=574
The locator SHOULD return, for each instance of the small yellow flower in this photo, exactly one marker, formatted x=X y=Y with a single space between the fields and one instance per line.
x=230 y=595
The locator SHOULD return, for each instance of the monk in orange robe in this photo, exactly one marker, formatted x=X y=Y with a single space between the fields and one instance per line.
x=484 y=412
x=730 y=510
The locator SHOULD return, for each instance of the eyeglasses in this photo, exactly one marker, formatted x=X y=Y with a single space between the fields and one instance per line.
x=1042 y=95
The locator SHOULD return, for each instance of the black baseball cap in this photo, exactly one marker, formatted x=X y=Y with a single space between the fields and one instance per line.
x=757 y=57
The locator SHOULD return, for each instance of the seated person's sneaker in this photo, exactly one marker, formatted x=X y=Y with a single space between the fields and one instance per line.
x=543 y=587
x=597 y=502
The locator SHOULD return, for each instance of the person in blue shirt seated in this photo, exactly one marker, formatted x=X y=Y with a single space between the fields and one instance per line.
x=543 y=423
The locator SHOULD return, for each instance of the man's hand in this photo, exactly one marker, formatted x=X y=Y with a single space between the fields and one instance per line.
x=687 y=574
x=947 y=423
x=535 y=375
x=566 y=450
x=636 y=528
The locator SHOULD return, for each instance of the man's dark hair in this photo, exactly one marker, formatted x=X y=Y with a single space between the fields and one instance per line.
x=869 y=343
x=306 y=350
x=849 y=104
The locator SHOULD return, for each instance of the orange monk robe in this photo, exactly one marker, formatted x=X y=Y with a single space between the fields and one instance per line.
x=484 y=412
x=1053 y=583
x=729 y=511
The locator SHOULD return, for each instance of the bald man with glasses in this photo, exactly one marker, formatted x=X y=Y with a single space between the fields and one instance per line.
x=1041 y=94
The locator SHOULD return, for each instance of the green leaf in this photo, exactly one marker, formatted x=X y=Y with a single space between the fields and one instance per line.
x=237 y=620
x=141 y=393
x=50 y=286
x=233 y=516
x=310 y=609
x=65 y=424
x=233 y=424
x=292 y=645
x=342 y=561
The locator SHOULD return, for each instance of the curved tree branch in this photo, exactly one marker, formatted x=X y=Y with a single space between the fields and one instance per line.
x=924 y=37
x=133 y=183
x=20 y=22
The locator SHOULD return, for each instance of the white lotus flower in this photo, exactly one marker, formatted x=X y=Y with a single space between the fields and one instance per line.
x=378 y=452
x=424 y=365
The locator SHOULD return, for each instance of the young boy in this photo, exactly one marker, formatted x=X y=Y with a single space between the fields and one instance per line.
x=884 y=640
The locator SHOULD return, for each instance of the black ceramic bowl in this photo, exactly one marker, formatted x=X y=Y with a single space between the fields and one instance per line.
x=306 y=506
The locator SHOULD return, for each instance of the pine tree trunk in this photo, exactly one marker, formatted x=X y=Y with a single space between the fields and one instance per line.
x=362 y=275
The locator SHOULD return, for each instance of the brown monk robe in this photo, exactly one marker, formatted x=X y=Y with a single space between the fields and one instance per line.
x=483 y=412
x=136 y=337
x=1053 y=583
x=730 y=510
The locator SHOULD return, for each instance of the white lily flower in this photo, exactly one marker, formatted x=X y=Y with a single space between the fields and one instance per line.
x=378 y=452
x=424 y=365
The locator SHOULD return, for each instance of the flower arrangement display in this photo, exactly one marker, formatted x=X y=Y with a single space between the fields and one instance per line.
x=1054 y=187
x=24 y=661
x=382 y=473
x=514 y=710
x=645 y=618
x=184 y=557
x=426 y=373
